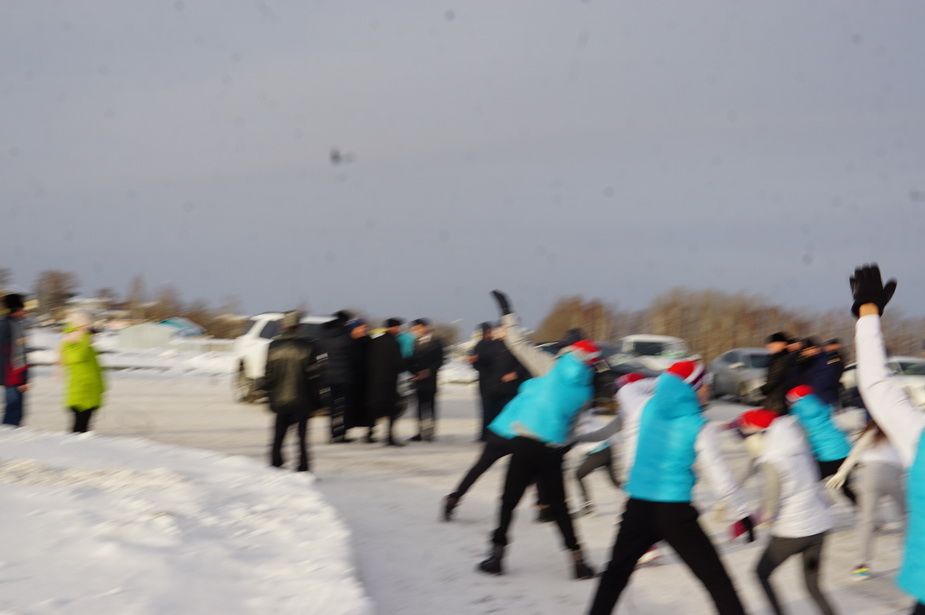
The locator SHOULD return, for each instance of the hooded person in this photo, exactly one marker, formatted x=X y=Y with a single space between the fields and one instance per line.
x=829 y=444
x=537 y=423
x=359 y=414
x=901 y=420
x=673 y=440
x=794 y=506
x=85 y=384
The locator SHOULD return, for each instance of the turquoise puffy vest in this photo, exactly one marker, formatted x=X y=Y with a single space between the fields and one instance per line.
x=829 y=443
x=545 y=407
x=912 y=574
x=663 y=470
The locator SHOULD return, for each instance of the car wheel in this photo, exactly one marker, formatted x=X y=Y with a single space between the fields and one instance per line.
x=244 y=388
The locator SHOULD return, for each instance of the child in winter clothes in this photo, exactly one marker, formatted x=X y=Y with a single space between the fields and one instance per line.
x=902 y=421
x=85 y=384
x=794 y=507
x=673 y=438
x=596 y=457
x=880 y=474
x=829 y=444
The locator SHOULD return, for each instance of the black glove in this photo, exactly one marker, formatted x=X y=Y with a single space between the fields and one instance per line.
x=503 y=303
x=867 y=287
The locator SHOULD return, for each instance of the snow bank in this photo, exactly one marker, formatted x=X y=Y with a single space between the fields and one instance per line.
x=109 y=525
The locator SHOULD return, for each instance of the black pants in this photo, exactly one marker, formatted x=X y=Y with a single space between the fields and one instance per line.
x=645 y=523
x=919 y=609
x=283 y=422
x=593 y=461
x=829 y=468
x=82 y=420
x=491 y=407
x=495 y=448
x=779 y=551
x=427 y=413
x=531 y=461
x=338 y=409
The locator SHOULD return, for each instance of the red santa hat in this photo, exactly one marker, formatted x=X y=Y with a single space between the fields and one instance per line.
x=799 y=392
x=757 y=418
x=691 y=372
x=585 y=350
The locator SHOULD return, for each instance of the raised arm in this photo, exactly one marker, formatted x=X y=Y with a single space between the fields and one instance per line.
x=536 y=361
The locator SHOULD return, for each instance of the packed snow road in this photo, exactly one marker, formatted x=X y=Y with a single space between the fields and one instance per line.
x=411 y=563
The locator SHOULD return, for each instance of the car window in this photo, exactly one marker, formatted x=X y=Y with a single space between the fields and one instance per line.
x=758 y=361
x=732 y=357
x=648 y=349
x=270 y=330
x=912 y=368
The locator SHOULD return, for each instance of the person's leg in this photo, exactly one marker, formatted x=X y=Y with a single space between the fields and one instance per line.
x=611 y=467
x=775 y=554
x=550 y=477
x=82 y=420
x=678 y=523
x=338 y=412
x=432 y=428
x=279 y=434
x=867 y=519
x=521 y=471
x=829 y=468
x=812 y=561
x=586 y=467
x=636 y=535
x=12 y=414
x=495 y=448
x=75 y=414
x=304 y=464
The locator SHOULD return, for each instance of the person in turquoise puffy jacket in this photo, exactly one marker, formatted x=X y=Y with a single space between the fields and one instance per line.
x=829 y=444
x=537 y=424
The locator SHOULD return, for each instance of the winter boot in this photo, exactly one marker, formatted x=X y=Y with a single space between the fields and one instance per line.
x=450 y=503
x=582 y=569
x=493 y=565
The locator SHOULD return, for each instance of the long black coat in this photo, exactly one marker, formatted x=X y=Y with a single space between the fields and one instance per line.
x=427 y=356
x=336 y=344
x=500 y=362
x=775 y=389
x=358 y=414
x=385 y=365
x=293 y=376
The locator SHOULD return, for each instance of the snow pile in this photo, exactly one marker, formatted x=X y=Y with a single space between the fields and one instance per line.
x=457 y=371
x=100 y=525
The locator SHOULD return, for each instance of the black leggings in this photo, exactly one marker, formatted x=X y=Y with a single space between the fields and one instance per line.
x=531 y=461
x=495 y=448
x=829 y=468
x=593 y=461
x=283 y=422
x=645 y=523
x=82 y=420
x=780 y=550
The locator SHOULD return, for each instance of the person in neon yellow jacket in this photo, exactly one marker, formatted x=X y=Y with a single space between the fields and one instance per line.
x=85 y=382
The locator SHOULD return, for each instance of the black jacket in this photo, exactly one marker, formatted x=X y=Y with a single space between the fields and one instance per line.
x=837 y=364
x=816 y=372
x=337 y=346
x=427 y=356
x=357 y=406
x=499 y=361
x=8 y=346
x=293 y=376
x=777 y=385
x=385 y=365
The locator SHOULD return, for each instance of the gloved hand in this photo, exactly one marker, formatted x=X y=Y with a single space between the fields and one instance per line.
x=504 y=303
x=744 y=526
x=837 y=481
x=867 y=287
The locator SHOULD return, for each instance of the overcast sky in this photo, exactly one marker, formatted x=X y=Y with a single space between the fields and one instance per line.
x=610 y=149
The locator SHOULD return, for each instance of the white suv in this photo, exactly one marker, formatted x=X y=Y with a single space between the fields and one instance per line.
x=250 y=351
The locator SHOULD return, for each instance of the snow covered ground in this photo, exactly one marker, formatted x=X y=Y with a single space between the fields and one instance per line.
x=411 y=563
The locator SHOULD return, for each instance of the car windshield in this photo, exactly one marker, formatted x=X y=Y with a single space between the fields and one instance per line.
x=310 y=330
x=912 y=368
x=757 y=361
x=657 y=349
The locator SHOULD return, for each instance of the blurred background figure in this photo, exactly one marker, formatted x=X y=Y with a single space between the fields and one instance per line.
x=426 y=360
x=85 y=384
x=358 y=414
x=386 y=363
x=504 y=375
x=836 y=360
x=14 y=366
x=479 y=359
x=292 y=382
x=816 y=372
x=775 y=388
x=336 y=344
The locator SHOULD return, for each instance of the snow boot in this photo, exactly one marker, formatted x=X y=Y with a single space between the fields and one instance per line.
x=493 y=565
x=450 y=503
x=582 y=570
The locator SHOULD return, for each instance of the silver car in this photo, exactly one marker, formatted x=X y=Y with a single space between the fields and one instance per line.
x=741 y=372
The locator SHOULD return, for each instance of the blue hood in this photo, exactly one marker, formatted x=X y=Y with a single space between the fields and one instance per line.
x=828 y=442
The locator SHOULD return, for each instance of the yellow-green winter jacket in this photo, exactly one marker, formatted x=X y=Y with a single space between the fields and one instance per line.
x=85 y=384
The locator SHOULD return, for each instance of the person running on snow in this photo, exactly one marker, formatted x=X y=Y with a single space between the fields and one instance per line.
x=673 y=438
x=537 y=422
x=794 y=507
x=596 y=456
x=903 y=422
x=829 y=444
x=881 y=474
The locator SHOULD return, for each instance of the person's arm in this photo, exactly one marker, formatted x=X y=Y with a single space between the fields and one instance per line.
x=604 y=433
x=901 y=420
x=711 y=464
x=770 y=497
x=536 y=361
x=839 y=478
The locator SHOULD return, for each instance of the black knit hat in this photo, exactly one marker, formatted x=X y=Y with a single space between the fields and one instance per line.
x=420 y=322
x=780 y=336
x=393 y=322
x=572 y=336
x=13 y=302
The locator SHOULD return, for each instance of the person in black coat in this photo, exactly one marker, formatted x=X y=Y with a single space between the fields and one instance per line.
x=480 y=360
x=816 y=372
x=338 y=374
x=292 y=382
x=358 y=413
x=425 y=363
x=836 y=361
x=385 y=366
x=775 y=387
x=504 y=376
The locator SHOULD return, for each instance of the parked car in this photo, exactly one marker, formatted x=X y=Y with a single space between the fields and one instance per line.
x=910 y=371
x=250 y=351
x=741 y=372
x=655 y=352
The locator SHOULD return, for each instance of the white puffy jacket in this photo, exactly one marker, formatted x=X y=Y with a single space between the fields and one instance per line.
x=794 y=502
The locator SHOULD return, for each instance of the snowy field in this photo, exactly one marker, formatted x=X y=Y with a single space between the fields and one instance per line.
x=408 y=561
